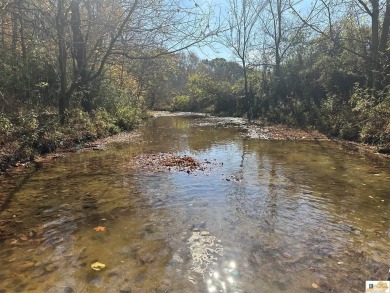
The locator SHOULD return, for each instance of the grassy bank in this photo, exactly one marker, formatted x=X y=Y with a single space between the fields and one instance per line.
x=28 y=134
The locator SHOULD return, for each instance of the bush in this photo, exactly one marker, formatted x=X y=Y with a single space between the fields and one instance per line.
x=127 y=117
x=373 y=111
x=182 y=103
x=338 y=118
x=6 y=127
x=104 y=123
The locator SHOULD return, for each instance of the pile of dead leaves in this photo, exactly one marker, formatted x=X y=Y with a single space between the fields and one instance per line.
x=171 y=162
x=178 y=161
x=282 y=132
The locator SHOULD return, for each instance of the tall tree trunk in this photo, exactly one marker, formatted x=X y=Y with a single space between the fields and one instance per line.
x=15 y=56
x=62 y=59
x=385 y=29
x=246 y=91
x=375 y=43
x=80 y=56
x=24 y=74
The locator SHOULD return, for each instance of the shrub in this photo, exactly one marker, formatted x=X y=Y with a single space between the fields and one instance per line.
x=182 y=103
x=373 y=111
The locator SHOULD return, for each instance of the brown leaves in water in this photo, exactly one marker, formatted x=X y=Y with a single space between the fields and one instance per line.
x=99 y=229
x=282 y=132
x=168 y=161
x=181 y=162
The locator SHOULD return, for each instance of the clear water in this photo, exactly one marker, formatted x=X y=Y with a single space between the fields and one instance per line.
x=266 y=216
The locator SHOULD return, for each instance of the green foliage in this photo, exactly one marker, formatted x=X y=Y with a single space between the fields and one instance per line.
x=338 y=118
x=5 y=124
x=127 y=117
x=373 y=110
x=181 y=103
x=104 y=123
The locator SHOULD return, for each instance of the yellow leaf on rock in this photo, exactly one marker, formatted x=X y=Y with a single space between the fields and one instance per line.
x=97 y=266
x=99 y=228
x=314 y=285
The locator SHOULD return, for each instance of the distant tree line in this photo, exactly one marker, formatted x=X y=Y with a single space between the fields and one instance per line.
x=324 y=66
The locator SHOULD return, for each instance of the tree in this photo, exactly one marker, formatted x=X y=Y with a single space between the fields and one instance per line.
x=88 y=35
x=241 y=38
x=378 y=12
x=157 y=78
x=281 y=29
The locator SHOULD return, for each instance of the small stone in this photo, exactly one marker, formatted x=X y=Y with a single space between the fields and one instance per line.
x=68 y=290
x=147 y=258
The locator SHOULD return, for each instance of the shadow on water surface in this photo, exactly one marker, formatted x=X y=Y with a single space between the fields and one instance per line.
x=267 y=216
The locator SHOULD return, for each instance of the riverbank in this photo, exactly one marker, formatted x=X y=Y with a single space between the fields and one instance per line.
x=19 y=164
x=95 y=136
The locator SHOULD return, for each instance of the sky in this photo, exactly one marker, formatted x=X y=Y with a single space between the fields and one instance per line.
x=217 y=50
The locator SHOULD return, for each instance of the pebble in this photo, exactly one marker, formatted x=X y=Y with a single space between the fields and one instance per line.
x=68 y=290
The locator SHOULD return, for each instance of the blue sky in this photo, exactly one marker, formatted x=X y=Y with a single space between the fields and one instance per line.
x=217 y=50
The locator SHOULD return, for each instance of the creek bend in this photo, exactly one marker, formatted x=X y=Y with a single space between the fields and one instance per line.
x=263 y=216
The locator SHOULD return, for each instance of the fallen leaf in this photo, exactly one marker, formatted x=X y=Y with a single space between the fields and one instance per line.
x=314 y=285
x=97 y=266
x=99 y=228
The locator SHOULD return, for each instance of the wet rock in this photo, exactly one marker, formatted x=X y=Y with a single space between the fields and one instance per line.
x=99 y=148
x=113 y=274
x=198 y=227
x=89 y=203
x=280 y=285
x=139 y=278
x=32 y=233
x=148 y=229
x=165 y=284
x=68 y=290
x=146 y=258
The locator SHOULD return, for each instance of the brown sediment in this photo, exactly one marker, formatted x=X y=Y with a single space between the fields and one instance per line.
x=282 y=132
x=169 y=162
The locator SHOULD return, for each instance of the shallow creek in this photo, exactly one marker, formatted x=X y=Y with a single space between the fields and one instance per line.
x=264 y=216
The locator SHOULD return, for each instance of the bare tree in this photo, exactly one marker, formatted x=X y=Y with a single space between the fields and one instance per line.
x=241 y=37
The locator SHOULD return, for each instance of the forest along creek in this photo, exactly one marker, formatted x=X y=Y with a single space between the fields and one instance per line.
x=258 y=216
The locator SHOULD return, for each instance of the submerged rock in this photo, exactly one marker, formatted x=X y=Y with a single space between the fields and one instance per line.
x=68 y=290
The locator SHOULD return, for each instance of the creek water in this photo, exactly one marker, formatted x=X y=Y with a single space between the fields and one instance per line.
x=264 y=216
